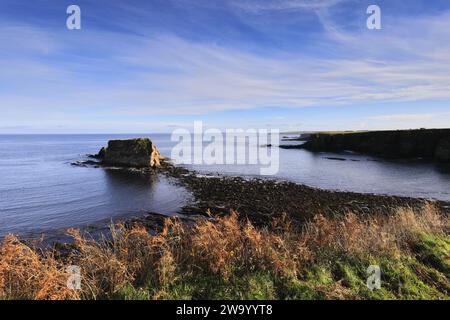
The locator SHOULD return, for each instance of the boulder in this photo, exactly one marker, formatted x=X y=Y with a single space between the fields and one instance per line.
x=139 y=153
x=443 y=150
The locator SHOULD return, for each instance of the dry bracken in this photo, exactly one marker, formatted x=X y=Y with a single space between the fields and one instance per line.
x=225 y=247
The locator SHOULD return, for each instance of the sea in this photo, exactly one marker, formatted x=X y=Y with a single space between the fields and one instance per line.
x=41 y=191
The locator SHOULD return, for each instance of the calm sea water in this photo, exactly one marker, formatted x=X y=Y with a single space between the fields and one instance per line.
x=41 y=191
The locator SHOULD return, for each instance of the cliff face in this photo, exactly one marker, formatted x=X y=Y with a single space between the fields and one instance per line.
x=139 y=152
x=430 y=144
x=443 y=150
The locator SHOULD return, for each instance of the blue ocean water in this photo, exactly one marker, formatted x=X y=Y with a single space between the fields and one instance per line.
x=41 y=191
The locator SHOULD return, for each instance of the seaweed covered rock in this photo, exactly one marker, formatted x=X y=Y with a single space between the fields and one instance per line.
x=139 y=153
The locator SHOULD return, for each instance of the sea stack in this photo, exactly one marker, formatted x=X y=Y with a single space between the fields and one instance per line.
x=137 y=153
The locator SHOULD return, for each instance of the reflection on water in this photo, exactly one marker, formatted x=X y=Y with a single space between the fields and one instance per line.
x=119 y=184
x=443 y=168
x=135 y=192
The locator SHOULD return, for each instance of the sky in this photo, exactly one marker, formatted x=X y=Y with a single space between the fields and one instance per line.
x=157 y=65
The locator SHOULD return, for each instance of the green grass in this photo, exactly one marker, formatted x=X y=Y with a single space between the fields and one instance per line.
x=423 y=274
x=231 y=259
x=434 y=251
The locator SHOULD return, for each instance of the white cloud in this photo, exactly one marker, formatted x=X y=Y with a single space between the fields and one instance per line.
x=167 y=75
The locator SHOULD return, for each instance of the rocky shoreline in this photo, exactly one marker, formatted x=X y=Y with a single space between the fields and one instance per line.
x=256 y=199
x=260 y=200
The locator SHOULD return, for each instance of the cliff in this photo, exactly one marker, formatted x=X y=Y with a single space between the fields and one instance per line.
x=424 y=143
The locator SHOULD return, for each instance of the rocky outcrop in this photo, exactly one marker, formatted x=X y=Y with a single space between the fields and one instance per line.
x=423 y=143
x=139 y=153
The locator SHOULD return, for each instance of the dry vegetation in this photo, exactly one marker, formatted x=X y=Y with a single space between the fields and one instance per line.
x=226 y=258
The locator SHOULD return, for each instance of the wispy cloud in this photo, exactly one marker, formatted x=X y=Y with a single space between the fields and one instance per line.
x=409 y=120
x=98 y=73
x=255 y=5
x=409 y=117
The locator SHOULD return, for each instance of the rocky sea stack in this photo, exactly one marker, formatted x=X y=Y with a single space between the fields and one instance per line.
x=138 y=153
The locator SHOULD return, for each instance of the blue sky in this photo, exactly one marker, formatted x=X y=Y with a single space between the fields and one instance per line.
x=156 y=65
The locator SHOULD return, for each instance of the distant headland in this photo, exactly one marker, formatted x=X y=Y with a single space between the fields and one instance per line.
x=433 y=144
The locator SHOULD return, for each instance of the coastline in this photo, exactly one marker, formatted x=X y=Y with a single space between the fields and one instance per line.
x=245 y=239
x=431 y=144
x=265 y=198
x=261 y=200
x=249 y=252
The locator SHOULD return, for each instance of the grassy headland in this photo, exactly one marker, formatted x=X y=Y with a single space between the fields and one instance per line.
x=433 y=144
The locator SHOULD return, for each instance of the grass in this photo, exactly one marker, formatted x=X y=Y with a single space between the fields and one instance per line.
x=227 y=258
